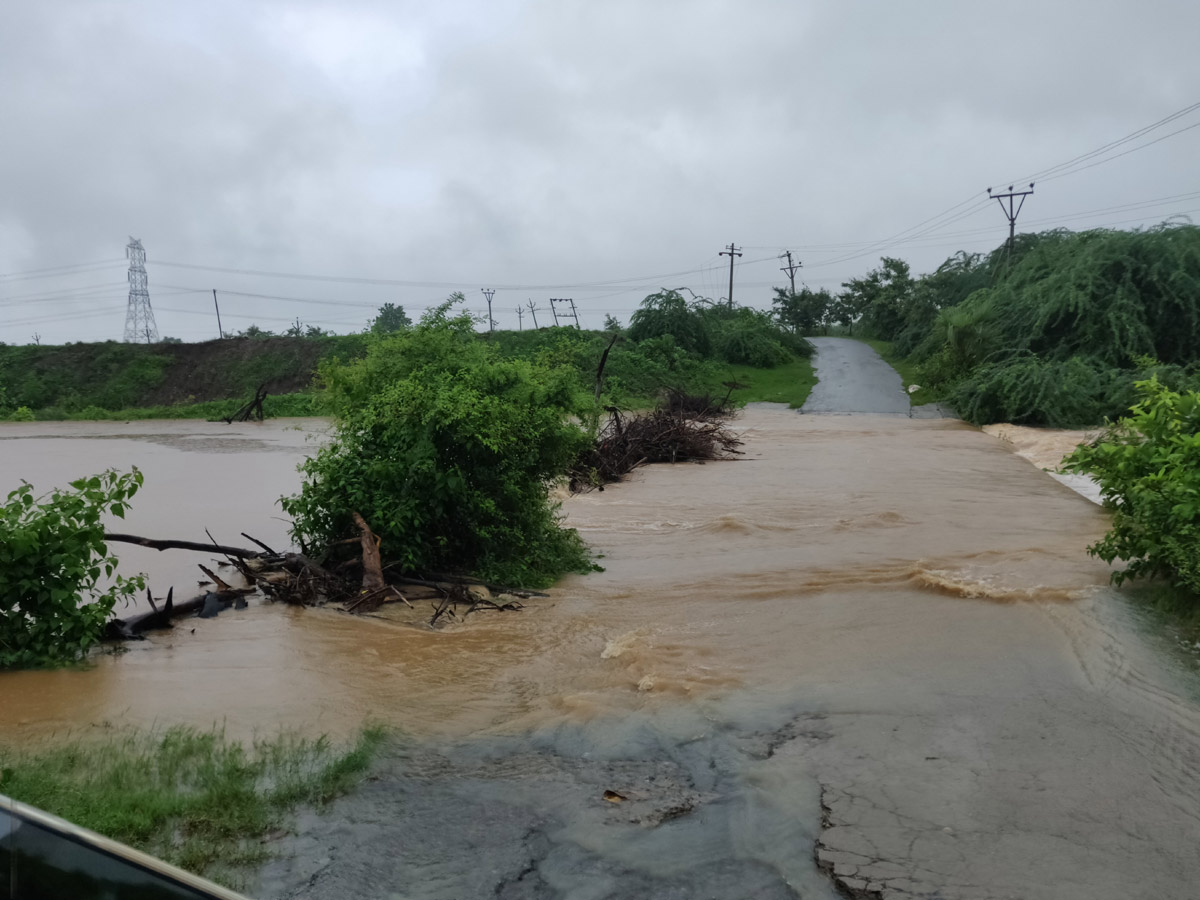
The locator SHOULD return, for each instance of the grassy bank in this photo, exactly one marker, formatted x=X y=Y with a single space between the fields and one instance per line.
x=113 y=380
x=193 y=798
x=790 y=383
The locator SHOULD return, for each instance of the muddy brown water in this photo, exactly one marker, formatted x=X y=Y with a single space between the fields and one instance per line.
x=872 y=651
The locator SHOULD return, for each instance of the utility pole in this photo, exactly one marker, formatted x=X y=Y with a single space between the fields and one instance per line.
x=573 y=315
x=139 y=317
x=520 y=319
x=37 y=338
x=790 y=268
x=220 y=330
x=730 y=251
x=533 y=312
x=1010 y=211
x=489 y=292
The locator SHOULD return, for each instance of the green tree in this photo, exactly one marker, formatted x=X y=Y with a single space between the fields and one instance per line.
x=803 y=311
x=881 y=299
x=612 y=323
x=448 y=451
x=391 y=318
x=52 y=558
x=668 y=313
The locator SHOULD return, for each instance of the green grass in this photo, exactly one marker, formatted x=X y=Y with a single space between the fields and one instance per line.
x=193 y=798
x=790 y=383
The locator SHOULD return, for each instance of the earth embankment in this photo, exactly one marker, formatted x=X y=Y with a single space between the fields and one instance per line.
x=112 y=376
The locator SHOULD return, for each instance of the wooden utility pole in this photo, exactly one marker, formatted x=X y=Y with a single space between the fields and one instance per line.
x=220 y=330
x=730 y=251
x=520 y=319
x=1011 y=212
x=790 y=268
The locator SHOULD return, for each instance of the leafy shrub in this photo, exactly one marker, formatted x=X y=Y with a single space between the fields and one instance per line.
x=1148 y=468
x=448 y=451
x=750 y=338
x=21 y=414
x=1028 y=390
x=52 y=557
x=668 y=313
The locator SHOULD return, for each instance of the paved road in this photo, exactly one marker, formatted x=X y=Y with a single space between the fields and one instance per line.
x=854 y=379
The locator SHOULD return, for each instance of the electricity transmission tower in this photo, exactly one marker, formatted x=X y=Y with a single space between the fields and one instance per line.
x=1011 y=212
x=790 y=268
x=730 y=251
x=139 y=317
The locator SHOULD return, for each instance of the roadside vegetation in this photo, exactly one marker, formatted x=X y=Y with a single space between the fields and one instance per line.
x=1057 y=333
x=196 y=799
x=1147 y=464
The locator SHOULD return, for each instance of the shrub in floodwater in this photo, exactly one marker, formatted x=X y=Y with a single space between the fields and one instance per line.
x=448 y=451
x=1148 y=468
x=52 y=557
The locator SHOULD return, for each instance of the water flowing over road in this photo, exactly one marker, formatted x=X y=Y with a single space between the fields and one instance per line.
x=871 y=657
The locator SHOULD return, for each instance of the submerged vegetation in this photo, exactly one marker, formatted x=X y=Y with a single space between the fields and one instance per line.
x=53 y=562
x=196 y=799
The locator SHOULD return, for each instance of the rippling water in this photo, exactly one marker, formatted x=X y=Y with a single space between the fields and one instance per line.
x=879 y=634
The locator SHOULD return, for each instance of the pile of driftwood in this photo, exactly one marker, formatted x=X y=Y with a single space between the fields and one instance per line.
x=296 y=579
x=684 y=428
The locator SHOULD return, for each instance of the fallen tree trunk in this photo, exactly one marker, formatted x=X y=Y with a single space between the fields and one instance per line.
x=154 y=544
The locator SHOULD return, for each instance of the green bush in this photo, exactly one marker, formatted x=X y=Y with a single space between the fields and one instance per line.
x=52 y=558
x=1148 y=468
x=747 y=337
x=668 y=313
x=448 y=451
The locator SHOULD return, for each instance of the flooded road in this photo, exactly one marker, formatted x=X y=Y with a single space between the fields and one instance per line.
x=874 y=649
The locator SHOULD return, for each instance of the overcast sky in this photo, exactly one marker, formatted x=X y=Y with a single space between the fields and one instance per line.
x=594 y=149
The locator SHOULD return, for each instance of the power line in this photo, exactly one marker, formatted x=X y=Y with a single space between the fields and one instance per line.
x=1111 y=145
x=52 y=271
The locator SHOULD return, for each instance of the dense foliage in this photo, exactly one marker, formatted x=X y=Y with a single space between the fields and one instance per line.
x=738 y=336
x=448 y=450
x=1055 y=333
x=1148 y=468
x=52 y=560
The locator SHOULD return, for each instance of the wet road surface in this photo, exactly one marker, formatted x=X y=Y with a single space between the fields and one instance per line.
x=853 y=378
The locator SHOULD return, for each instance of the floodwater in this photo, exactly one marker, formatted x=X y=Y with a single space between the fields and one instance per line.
x=874 y=641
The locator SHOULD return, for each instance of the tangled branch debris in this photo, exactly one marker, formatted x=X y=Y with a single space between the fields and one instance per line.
x=686 y=429
x=297 y=580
